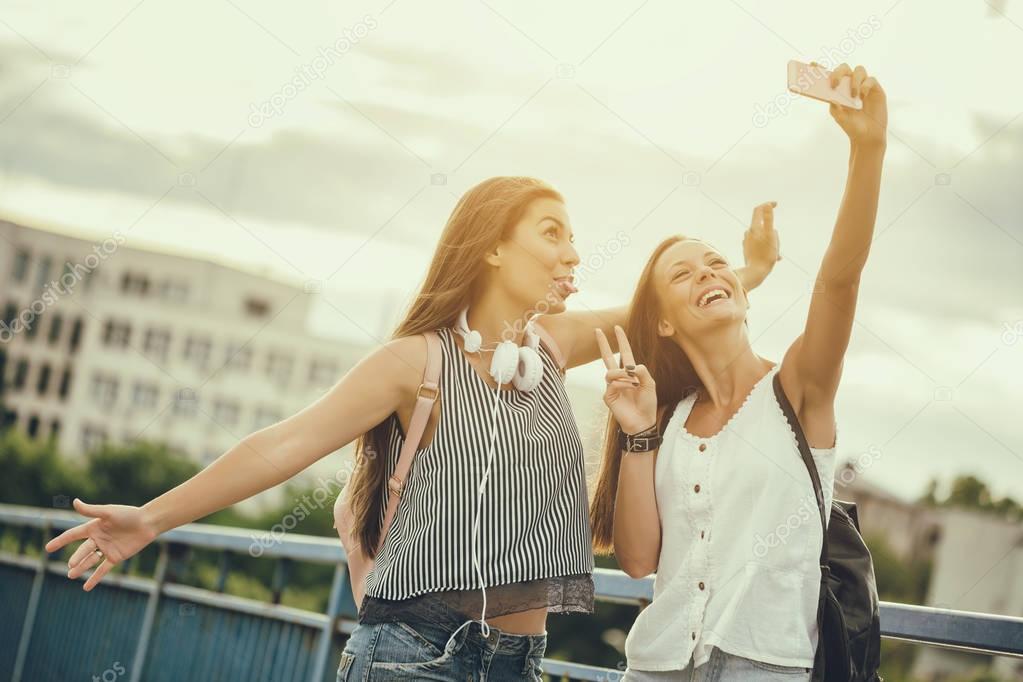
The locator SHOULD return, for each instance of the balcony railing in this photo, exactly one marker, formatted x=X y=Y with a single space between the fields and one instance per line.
x=130 y=628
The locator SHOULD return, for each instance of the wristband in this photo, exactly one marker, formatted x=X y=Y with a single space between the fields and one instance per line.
x=644 y=441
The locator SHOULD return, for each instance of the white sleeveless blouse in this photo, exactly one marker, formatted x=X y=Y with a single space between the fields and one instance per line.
x=741 y=539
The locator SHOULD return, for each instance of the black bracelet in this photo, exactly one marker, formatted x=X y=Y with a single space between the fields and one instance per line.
x=644 y=441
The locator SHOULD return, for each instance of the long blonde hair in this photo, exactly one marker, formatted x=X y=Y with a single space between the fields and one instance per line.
x=483 y=216
x=671 y=370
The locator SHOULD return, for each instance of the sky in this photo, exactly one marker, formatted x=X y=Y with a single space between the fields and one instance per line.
x=181 y=125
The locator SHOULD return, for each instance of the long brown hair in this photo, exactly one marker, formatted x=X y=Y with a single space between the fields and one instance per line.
x=483 y=216
x=669 y=367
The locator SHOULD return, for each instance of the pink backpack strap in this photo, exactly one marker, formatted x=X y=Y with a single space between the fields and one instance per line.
x=551 y=344
x=427 y=394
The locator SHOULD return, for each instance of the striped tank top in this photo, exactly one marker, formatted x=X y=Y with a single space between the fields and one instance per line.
x=534 y=533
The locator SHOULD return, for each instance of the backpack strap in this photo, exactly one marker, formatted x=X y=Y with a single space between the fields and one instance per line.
x=551 y=344
x=804 y=451
x=426 y=395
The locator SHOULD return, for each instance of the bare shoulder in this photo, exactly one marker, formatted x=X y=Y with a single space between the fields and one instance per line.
x=816 y=413
x=403 y=360
x=789 y=376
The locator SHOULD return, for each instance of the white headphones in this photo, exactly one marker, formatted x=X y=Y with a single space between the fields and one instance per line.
x=520 y=365
x=524 y=368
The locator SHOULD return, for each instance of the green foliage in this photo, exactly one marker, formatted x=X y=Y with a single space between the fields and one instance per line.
x=34 y=474
x=136 y=473
x=969 y=492
x=898 y=580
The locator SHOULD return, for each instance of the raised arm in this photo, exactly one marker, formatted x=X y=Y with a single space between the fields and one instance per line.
x=362 y=398
x=573 y=330
x=813 y=364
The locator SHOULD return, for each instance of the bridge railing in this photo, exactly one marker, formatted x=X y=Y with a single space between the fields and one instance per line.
x=279 y=642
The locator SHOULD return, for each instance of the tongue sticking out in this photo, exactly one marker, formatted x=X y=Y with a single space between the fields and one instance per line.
x=567 y=286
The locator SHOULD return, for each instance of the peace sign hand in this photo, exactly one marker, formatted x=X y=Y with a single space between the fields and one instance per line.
x=631 y=393
x=118 y=531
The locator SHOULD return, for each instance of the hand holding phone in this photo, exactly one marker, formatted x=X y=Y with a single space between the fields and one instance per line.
x=813 y=80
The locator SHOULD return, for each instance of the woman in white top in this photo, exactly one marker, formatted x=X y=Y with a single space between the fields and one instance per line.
x=718 y=501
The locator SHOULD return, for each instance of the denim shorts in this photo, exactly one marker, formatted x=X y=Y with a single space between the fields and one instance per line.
x=723 y=667
x=434 y=651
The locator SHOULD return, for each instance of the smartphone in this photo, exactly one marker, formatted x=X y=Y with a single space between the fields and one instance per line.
x=813 y=81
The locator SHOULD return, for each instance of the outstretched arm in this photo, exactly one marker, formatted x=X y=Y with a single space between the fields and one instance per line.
x=362 y=398
x=813 y=364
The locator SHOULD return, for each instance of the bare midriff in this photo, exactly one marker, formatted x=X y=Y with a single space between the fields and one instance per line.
x=530 y=622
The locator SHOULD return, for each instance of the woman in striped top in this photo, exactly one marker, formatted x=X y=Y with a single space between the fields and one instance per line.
x=505 y=253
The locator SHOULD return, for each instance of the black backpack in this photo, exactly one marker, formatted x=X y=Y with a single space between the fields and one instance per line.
x=849 y=648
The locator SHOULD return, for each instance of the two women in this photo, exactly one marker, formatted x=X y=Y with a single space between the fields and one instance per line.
x=506 y=249
x=701 y=466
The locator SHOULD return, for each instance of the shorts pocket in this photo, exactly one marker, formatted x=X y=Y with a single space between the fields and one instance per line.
x=347 y=659
x=535 y=669
x=780 y=669
x=400 y=647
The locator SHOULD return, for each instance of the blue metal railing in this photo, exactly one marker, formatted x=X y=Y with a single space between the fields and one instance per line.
x=131 y=628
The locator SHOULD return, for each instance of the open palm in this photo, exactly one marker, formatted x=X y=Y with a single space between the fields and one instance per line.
x=118 y=531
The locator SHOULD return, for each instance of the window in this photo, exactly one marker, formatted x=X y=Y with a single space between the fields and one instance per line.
x=55 y=428
x=144 y=395
x=197 y=351
x=45 y=264
x=33 y=426
x=256 y=307
x=225 y=412
x=322 y=372
x=239 y=356
x=65 y=383
x=43 y=382
x=21 y=261
x=10 y=418
x=10 y=313
x=156 y=343
x=32 y=328
x=186 y=403
x=116 y=334
x=55 y=323
x=104 y=389
x=92 y=437
x=20 y=374
x=174 y=290
x=76 y=335
x=134 y=283
x=278 y=367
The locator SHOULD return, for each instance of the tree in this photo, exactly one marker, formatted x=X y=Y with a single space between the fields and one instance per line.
x=969 y=492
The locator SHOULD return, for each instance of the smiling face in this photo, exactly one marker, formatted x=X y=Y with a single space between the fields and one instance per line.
x=697 y=289
x=535 y=261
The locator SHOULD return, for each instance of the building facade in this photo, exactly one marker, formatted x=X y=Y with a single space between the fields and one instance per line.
x=100 y=342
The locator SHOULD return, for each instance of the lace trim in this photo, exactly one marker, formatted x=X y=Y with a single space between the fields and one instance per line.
x=559 y=594
x=692 y=402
